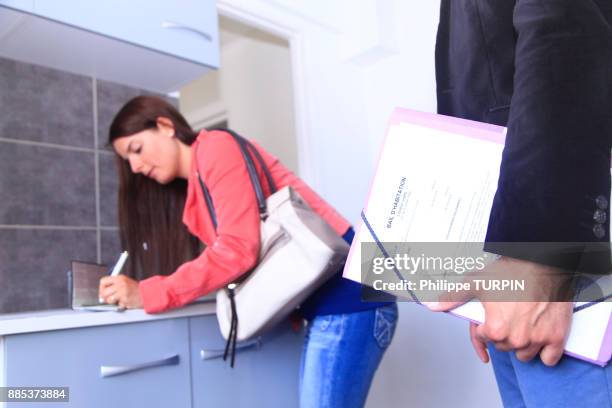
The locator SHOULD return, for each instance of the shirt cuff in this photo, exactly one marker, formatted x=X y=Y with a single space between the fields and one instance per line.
x=154 y=295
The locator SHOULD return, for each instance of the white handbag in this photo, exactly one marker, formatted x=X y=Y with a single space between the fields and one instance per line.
x=299 y=252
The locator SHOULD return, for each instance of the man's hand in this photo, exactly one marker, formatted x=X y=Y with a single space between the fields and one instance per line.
x=480 y=345
x=120 y=290
x=528 y=327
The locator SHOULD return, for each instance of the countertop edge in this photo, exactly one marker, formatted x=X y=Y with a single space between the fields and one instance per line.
x=70 y=319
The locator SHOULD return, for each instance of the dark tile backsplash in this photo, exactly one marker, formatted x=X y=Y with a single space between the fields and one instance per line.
x=46 y=186
x=45 y=105
x=109 y=184
x=34 y=266
x=48 y=211
x=111 y=97
x=111 y=246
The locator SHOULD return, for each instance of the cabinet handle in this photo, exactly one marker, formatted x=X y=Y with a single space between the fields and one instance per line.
x=110 y=371
x=170 y=24
x=216 y=353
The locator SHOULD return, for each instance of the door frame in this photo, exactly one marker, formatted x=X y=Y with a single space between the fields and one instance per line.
x=267 y=17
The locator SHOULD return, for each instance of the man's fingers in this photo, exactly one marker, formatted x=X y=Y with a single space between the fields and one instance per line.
x=503 y=346
x=494 y=330
x=479 y=345
x=497 y=333
x=514 y=341
x=528 y=353
x=551 y=354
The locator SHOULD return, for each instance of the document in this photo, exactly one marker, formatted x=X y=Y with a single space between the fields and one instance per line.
x=85 y=282
x=435 y=182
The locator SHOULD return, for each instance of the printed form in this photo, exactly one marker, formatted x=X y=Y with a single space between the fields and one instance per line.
x=435 y=182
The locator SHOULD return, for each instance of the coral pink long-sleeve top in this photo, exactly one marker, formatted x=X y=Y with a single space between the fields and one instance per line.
x=233 y=248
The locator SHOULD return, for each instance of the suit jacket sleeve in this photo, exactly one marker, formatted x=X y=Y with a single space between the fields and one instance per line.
x=554 y=183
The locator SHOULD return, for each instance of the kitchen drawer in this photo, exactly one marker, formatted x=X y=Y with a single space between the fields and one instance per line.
x=75 y=358
x=184 y=28
x=266 y=373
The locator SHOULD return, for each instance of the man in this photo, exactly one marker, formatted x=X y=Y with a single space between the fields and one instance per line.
x=543 y=68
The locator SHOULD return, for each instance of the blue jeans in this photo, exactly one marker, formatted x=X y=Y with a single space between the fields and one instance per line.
x=571 y=383
x=341 y=354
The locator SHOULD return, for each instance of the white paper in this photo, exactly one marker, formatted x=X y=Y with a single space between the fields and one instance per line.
x=430 y=186
x=436 y=186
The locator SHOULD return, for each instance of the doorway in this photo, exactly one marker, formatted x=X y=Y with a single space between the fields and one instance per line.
x=252 y=92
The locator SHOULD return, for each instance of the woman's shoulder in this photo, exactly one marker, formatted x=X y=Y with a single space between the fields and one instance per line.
x=215 y=139
x=216 y=145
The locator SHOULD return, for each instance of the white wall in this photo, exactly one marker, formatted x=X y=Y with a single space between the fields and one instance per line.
x=353 y=62
x=253 y=89
x=201 y=100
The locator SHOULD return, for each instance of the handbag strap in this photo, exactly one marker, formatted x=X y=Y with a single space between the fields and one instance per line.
x=245 y=142
x=245 y=146
x=209 y=203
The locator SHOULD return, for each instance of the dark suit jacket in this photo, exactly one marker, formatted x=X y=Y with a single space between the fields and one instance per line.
x=543 y=68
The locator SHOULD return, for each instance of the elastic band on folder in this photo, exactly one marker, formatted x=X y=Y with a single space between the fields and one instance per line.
x=386 y=254
x=414 y=297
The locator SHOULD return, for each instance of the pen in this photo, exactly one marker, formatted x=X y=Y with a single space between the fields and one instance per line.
x=118 y=266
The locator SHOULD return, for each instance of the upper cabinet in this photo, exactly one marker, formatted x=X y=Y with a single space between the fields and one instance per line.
x=156 y=44
x=23 y=5
x=183 y=28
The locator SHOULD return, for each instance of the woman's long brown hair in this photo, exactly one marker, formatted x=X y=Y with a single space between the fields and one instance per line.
x=150 y=214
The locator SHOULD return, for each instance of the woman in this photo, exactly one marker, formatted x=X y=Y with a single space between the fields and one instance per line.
x=160 y=158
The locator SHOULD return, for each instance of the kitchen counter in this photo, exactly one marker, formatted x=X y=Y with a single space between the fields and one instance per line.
x=132 y=359
x=47 y=320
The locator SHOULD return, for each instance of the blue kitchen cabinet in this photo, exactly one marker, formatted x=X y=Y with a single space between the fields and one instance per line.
x=266 y=373
x=22 y=5
x=187 y=29
x=124 y=365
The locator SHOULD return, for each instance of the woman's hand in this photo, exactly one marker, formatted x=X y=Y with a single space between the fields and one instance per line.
x=120 y=290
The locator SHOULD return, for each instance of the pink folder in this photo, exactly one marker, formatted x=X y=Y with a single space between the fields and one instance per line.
x=496 y=134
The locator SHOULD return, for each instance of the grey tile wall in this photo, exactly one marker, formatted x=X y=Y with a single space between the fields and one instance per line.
x=46 y=186
x=111 y=246
x=54 y=164
x=109 y=185
x=111 y=98
x=34 y=266
x=45 y=105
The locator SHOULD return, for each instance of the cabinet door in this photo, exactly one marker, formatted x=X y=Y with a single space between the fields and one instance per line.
x=183 y=28
x=23 y=5
x=266 y=372
x=84 y=360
